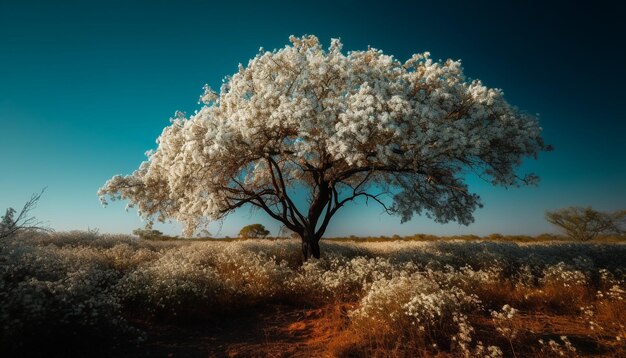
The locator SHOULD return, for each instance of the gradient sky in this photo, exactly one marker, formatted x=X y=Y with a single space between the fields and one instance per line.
x=87 y=86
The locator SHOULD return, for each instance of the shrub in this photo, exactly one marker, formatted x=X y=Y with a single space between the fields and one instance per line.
x=71 y=293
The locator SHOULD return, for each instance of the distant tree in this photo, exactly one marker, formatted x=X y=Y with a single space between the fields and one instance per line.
x=10 y=224
x=585 y=224
x=148 y=234
x=253 y=231
x=337 y=127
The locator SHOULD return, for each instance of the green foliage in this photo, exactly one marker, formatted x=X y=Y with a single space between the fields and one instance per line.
x=253 y=231
x=585 y=224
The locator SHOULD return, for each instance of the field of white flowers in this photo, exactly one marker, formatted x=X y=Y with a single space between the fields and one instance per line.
x=80 y=293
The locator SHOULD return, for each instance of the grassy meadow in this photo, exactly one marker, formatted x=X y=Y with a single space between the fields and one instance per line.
x=85 y=294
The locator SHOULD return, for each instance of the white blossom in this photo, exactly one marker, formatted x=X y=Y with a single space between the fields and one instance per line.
x=339 y=125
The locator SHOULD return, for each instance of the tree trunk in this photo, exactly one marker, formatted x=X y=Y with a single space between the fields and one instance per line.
x=314 y=246
x=311 y=239
x=310 y=247
x=305 y=249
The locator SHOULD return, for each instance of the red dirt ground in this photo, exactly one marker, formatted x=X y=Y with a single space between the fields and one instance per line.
x=288 y=331
x=271 y=331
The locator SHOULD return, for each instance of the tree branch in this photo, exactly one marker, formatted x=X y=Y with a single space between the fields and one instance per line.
x=292 y=207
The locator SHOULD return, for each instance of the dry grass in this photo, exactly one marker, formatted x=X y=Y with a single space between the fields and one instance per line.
x=76 y=294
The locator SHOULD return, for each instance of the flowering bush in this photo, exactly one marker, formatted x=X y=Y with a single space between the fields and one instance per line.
x=86 y=289
x=49 y=298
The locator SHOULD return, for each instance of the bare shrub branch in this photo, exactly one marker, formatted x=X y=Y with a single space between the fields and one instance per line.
x=10 y=225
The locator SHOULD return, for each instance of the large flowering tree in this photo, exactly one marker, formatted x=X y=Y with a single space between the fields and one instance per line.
x=340 y=127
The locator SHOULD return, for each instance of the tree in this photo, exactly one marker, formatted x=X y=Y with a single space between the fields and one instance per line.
x=585 y=224
x=10 y=224
x=253 y=231
x=337 y=127
x=148 y=234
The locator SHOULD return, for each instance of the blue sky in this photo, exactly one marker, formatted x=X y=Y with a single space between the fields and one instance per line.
x=86 y=88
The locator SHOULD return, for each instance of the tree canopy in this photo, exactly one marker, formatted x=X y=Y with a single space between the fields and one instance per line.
x=253 y=231
x=339 y=126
